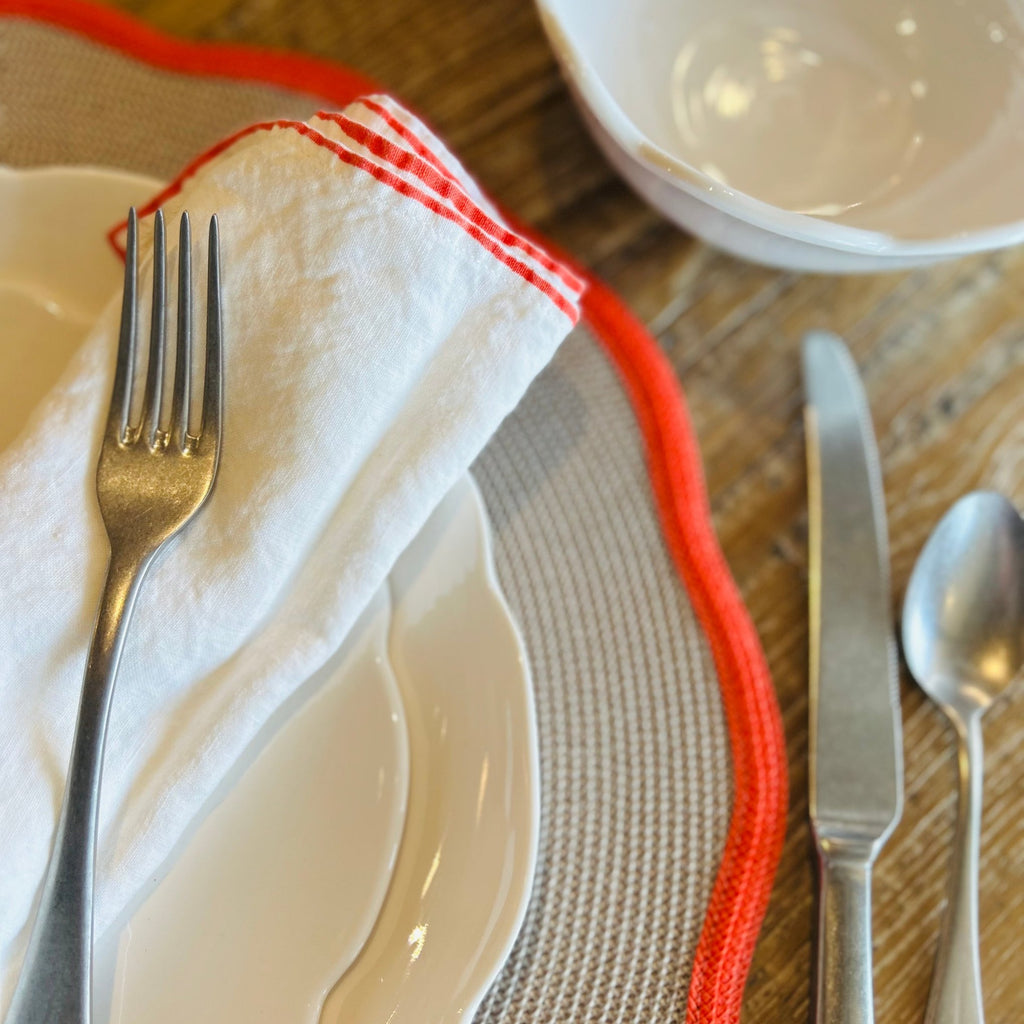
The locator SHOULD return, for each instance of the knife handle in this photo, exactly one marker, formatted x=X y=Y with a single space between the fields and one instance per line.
x=845 y=993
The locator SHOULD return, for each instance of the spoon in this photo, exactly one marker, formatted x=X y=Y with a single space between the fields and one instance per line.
x=963 y=638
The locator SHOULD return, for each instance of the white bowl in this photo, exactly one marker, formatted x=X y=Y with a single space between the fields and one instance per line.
x=826 y=135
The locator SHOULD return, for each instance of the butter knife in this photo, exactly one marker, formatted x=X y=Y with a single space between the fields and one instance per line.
x=856 y=751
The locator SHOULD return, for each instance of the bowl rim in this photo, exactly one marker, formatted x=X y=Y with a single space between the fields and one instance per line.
x=590 y=90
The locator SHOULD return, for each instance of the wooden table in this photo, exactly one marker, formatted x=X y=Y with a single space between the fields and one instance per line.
x=942 y=356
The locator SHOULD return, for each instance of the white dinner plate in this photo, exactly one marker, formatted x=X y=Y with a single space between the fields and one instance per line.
x=370 y=859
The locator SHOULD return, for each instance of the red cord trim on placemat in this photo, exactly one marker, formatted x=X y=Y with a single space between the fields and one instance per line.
x=317 y=78
x=754 y=842
x=757 y=826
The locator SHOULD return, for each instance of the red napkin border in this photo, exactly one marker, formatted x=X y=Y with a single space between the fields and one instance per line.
x=757 y=825
x=505 y=245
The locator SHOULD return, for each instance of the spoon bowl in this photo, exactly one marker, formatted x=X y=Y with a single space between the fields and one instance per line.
x=963 y=621
x=963 y=637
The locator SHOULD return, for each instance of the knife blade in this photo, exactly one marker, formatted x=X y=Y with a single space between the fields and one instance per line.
x=856 y=756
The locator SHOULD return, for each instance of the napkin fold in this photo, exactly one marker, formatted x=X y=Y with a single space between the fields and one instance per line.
x=380 y=320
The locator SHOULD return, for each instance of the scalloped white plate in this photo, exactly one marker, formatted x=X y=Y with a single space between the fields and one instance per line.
x=376 y=847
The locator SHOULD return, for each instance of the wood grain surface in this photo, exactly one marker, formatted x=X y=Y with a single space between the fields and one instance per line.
x=942 y=356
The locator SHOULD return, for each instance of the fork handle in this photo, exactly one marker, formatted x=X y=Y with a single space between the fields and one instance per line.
x=55 y=982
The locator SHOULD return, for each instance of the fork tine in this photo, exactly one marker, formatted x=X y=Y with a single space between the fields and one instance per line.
x=183 y=357
x=118 y=421
x=214 y=379
x=157 y=334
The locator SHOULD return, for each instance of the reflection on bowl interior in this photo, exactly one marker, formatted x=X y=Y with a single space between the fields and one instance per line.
x=907 y=119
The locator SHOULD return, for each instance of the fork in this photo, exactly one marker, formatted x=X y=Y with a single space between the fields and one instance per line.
x=150 y=482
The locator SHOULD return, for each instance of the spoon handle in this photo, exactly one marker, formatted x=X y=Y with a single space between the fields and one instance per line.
x=955 y=996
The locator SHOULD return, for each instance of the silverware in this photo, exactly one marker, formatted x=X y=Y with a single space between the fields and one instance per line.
x=150 y=481
x=856 y=765
x=963 y=637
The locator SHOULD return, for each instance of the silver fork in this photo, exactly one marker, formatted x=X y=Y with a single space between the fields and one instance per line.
x=149 y=483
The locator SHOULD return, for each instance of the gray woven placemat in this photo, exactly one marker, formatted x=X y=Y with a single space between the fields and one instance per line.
x=634 y=750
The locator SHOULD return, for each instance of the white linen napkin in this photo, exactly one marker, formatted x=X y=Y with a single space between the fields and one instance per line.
x=380 y=321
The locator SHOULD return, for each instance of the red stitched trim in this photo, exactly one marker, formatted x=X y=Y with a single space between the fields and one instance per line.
x=317 y=79
x=169 y=191
x=384 y=176
x=402 y=129
x=448 y=188
x=757 y=825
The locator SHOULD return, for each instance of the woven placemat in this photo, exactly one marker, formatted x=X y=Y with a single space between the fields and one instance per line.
x=637 y=772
